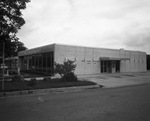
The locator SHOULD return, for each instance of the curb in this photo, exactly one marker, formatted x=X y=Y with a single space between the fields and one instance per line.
x=46 y=91
x=127 y=85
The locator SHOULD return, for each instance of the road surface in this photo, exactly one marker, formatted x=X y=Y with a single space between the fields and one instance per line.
x=113 y=104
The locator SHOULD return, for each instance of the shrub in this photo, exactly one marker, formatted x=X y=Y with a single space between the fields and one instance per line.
x=47 y=79
x=12 y=72
x=70 y=77
x=65 y=70
x=32 y=82
x=17 y=78
x=19 y=82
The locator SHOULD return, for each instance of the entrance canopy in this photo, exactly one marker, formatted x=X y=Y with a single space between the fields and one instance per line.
x=113 y=58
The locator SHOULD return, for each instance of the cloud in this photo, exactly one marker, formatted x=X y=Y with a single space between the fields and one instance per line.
x=100 y=23
x=136 y=36
x=138 y=39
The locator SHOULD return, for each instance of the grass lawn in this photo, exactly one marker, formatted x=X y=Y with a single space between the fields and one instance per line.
x=42 y=84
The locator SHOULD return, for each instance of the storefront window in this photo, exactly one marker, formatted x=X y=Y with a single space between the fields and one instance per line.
x=39 y=63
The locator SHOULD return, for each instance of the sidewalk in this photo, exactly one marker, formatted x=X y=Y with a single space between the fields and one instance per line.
x=46 y=91
x=119 y=79
x=105 y=80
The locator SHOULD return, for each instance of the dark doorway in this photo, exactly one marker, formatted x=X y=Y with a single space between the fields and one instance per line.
x=117 y=66
x=148 y=62
x=110 y=66
x=106 y=66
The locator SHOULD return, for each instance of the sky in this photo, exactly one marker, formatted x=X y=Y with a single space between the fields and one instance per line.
x=95 y=23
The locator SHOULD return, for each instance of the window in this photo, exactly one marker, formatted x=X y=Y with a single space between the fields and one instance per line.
x=41 y=63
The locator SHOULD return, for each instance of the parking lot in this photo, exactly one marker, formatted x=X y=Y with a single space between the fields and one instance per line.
x=118 y=79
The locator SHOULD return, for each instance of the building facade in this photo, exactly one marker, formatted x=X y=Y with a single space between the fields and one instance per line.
x=88 y=60
x=12 y=63
x=148 y=62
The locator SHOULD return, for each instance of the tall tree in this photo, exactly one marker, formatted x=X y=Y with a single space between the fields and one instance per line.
x=11 y=21
x=16 y=47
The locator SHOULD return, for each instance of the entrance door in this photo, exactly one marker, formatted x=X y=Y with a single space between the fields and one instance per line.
x=110 y=66
x=106 y=66
x=113 y=68
x=117 y=66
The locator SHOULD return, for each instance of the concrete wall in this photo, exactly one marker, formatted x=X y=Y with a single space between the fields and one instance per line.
x=148 y=62
x=88 y=59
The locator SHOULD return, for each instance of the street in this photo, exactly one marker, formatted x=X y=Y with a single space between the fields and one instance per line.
x=113 y=104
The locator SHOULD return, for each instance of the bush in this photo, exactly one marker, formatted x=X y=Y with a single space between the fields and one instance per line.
x=19 y=82
x=65 y=68
x=47 y=79
x=12 y=72
x=32 y=82
x=17 y=78
x=70 y=77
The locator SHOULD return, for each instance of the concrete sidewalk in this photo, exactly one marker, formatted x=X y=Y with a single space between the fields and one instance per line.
x=105 y=80
x=47 y=91
x=119 y=79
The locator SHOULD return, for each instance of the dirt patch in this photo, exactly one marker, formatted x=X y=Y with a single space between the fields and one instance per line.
x=116 y=76
x=129 y=75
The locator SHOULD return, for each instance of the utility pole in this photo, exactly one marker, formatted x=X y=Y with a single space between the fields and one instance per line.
x=3 y=89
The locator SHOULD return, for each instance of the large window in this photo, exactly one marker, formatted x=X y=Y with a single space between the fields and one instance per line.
x=39 y=63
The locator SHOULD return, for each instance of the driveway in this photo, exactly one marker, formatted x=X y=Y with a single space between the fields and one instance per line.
x=118 y=79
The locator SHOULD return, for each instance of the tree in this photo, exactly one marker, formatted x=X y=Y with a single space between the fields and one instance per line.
x=66 y=70
x=17 y=47
x=10 y=22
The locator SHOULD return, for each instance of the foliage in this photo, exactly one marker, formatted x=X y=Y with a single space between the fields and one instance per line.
x=70 y=77
x=65 y=68
x=17 y=78
x=19 y=82
x=32 y=82
x=47 y=79
x=11 y=21
x=54 y=83
x=17 y=46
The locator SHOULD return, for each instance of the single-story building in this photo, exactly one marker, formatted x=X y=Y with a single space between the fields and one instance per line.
x=89 y=60
x=148 y=62
x=12 y=62
x=10 y=65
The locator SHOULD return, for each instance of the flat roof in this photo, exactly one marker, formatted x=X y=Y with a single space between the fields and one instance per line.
x=97 y=47
x=42 y=49
x=50 y=47
x=113 y=58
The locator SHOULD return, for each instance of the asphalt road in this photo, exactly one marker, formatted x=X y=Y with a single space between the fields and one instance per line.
x=113 y=104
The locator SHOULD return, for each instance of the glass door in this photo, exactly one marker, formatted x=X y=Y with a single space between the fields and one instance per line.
x=106 y=66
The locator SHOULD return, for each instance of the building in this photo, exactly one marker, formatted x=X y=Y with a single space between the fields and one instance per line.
x=12 y=63
x=148 y=62
x=88 y=60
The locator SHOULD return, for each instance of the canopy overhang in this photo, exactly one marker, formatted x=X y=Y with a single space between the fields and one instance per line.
x=113 y=58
